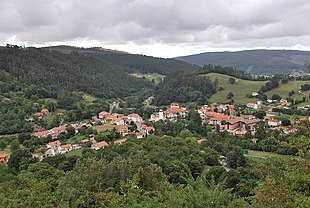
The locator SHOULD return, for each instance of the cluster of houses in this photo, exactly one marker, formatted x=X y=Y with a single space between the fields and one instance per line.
x=123 y=122
x=172 y=113
x=54 y=132
x=224 y=117
x=221 y=115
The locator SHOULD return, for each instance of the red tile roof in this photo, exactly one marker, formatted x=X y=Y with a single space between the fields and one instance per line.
x=119 y=141
x=3 y=155
x=102 y=144
x=55 y=143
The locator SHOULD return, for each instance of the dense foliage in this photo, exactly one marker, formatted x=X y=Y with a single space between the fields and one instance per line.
x=132 y=63
x=67 y=72
x=183 y=87
x=226 y=70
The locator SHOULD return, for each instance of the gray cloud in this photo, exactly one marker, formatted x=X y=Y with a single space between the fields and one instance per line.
x=195 y=24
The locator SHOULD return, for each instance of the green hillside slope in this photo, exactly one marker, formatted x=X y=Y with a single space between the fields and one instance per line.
x=243 y=87
x=70 y=72
x=240 y=89
x=132 y=63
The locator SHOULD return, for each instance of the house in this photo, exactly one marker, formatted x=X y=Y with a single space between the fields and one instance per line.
x=54 y=132
x=99 y=145
x=53 y=148
x=103 y=115
x=123 y=130
x=254 y=94
x=44 y=111
x=65 y=148
x=4 y=158
x=240 y=133
x=216 y=118
x=54 y=144
x=119 y=141
x=283 y=101
x=254 y=106
x=172 y=113
x=274 y=123
x=84 y=141
x=135 y=118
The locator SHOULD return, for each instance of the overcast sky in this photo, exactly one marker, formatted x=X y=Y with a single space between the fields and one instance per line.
x=163 y=28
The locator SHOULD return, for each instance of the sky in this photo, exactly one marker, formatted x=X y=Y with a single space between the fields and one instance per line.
x=161 y=28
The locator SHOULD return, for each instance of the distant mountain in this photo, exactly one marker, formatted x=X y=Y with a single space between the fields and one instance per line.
x=254 y=61
x=55 y=71
x=131 y=63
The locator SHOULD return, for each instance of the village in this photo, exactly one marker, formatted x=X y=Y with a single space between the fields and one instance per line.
x=223 y=117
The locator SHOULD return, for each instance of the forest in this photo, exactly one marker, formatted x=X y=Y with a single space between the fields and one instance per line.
x=161 y=171
x=185 y=163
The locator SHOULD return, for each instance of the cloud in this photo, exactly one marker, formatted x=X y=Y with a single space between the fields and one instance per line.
x=145 y=25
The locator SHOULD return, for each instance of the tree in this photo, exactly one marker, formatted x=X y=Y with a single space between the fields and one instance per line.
x=15 y=145
x=217 y=173
x=70 y=131
x=286 y=122
x=3 y=144
x=236 y=158
x=260 y=114
x=17 y=159
x=232 y=80
x=276 y=97
x=230 y=95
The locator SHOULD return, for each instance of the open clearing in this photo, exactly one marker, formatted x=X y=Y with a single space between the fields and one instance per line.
x=243 y=87
x=104 y=127
x=240 y=89
x=154 y=77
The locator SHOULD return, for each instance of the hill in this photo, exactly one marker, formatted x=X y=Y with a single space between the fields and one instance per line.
x=240 y=89
x=56 y=71
x=243 y=87
x=254 y=61
x=131 y=63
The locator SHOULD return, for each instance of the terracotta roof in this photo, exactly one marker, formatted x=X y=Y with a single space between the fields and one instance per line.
x=3 y=155
x=84 y=140
x=54 y=144
x=122 y=127
x=120 y=140
x=102 y=144
x=66 y=146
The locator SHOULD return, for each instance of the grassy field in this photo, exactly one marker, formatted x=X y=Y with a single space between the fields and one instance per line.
x=154 y=77
x=104 y=127
x=75 y=152
x=260 y=155
x=284 y=89
x=243 y=87
x=240 y=89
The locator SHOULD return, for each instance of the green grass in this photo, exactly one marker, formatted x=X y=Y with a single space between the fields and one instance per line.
x=104 y=127
x=240 y=89
x=284 y=89
x=243 y=87
x=260 y=155
x=154 y=77
x=75 y=152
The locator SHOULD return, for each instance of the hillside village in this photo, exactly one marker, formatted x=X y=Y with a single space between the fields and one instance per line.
x=224 y=117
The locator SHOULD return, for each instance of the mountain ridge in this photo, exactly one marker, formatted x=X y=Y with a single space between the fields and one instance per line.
x=258 y=61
